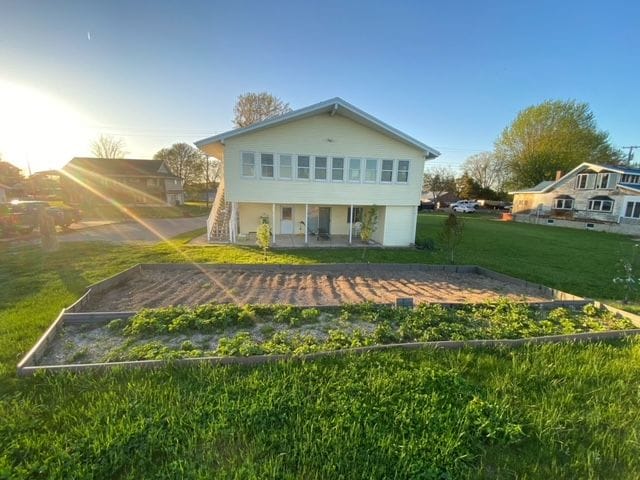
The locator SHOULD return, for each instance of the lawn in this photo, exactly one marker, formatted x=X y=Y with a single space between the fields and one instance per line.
x=112 y=212
x=555 y=411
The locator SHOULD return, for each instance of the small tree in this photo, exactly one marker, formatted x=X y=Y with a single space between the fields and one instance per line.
x=263 y=238
x=369 y=224
x=451 y=234
x=628 y=280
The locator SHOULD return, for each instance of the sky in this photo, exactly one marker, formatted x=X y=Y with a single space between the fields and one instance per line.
x=451 y=74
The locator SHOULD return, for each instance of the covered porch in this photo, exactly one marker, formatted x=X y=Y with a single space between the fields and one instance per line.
x=299 y=225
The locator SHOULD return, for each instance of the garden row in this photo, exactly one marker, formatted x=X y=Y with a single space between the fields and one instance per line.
x=230 y=330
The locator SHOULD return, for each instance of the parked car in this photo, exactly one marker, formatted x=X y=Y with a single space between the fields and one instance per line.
x=465 y=203
x=464 y=209
x=26 y=214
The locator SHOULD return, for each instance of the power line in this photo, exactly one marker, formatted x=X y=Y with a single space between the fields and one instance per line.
x=631 y=149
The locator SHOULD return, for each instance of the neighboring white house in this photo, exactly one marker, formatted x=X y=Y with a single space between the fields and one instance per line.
x=599 y=197
x=315 y=171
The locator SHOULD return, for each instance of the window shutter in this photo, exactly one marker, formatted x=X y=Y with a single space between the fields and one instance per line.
x=591 y=181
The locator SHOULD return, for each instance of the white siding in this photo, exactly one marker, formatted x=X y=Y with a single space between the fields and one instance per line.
x=322 y=135
x=399 y=226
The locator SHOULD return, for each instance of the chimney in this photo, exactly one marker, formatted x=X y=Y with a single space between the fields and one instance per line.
x=558 y=175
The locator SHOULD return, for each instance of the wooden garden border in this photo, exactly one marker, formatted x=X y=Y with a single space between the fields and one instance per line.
x=75 y=315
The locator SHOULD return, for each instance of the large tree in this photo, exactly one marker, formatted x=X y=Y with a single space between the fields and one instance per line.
x=106 y=146
x=438 y=181
x=555 y=135
x=486 y=170
x=254 y=107
x=185 y=161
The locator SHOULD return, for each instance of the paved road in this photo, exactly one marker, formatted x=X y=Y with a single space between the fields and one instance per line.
x=152 y=230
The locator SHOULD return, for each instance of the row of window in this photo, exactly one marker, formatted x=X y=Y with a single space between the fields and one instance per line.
x=586 y=181
x=324 y=169
x=629 y=178
x=594 y=205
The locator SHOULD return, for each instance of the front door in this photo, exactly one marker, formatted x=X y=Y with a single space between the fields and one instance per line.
x=286 y=220
x=324 y=221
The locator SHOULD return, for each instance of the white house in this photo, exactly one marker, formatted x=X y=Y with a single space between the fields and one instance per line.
x=598 y=197
x=315 y=172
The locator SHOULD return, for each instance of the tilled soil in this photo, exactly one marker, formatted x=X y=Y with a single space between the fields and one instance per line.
x=306 y=286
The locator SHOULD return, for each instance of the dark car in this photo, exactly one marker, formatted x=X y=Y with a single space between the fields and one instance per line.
x=27 y=213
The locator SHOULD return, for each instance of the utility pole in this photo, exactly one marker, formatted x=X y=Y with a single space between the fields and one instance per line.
x=630 y=156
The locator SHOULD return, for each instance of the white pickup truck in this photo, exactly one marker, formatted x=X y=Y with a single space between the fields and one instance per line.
x=465 y=203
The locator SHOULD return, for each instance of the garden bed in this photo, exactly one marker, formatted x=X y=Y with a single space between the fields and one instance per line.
x=254 y=330
x=163 y=285
x=305 y=312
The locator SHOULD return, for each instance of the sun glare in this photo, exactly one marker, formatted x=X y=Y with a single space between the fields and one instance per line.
x=39 y=130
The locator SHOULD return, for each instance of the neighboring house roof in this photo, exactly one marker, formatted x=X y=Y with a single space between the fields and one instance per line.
x=630 y=186
x=541 y=187
x=332 y=106
x=118 y=167
x=548 y=185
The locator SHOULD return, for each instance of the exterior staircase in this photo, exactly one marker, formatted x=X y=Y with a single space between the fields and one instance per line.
x=219 y=217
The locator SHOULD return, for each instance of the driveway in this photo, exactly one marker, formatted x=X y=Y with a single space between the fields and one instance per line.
x=149 y=230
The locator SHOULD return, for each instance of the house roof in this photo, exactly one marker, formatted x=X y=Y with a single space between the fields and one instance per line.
x=546 y=186
x=541 y=187
x=332 y=106
x=630 y=186
x=119 y=167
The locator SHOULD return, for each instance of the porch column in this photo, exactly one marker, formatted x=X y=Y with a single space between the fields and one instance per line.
x=273 y=222
x=306 y=223
x=350 y=224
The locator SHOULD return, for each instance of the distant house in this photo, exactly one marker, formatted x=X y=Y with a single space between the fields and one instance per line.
x=442 y=198
x=128 y=181
x=316 y=172
x=45 y=185
x=4 y=193
x=598 y=197
x=11 y=179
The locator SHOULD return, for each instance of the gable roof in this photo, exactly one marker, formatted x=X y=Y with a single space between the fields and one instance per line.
x=332 y=106
x=548 y=185
x=118 y=167
x=539 y=188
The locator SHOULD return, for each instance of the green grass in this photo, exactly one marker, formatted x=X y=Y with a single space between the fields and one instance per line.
x=554 y=411
x=111 y=212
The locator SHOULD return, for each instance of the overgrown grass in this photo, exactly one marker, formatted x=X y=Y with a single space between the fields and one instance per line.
x=555 y=411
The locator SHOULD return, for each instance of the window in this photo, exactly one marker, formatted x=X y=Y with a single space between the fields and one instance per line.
x=628 y=178
x=320 y=170
x=337 y=169
x=582 y=181
x=266 y=165
x=403 y=171
x=632 y=210
x=603 y=180
x=354 y=169
x=371 y=170
x=563 y=203
x=386 y=175
x=303 y=167
x=285 y=167
x=248 y=164
x=600 y=205
x=358 y=213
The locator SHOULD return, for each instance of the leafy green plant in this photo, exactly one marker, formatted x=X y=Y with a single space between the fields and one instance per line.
x=263 y=238
x=451 y=234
